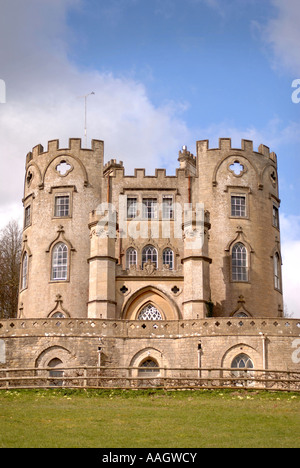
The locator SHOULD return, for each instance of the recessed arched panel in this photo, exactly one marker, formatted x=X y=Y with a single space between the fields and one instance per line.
x=150 y=296
x=231 y=160
x=54 y=353
x=68 y=159
x=239 y=350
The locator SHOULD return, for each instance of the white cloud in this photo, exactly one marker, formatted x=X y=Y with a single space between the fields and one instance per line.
x=282 y=34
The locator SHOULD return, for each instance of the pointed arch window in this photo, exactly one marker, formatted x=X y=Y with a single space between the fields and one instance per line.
x=150 y=312
x=131 y=257
x=59 y=270
x=24 y=281
x=244 y=363
x=239 y=263
x=55 y=372
x=168 y=258
x=149 y=254
x=277 y=272
x=149 y=368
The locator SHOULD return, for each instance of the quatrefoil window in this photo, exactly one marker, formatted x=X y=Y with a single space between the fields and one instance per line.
x=63 y=168
x=237 y=168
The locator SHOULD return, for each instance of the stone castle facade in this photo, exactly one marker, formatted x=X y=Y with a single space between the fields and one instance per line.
x=151 y=270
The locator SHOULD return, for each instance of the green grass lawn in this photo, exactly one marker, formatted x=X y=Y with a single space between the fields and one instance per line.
x=136 y=419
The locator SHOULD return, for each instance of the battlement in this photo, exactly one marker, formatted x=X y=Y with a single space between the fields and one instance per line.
x=140 y=176
x=186 y=155
x=225 y=144
x=75 y=145
x=112 y=164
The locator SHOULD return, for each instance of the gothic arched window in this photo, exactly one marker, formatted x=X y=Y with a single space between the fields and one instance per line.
x=149 y=368
x=24 y=271
x=239 y=263
x=242 y=362
x=59 y=270
x=55 y=364
x=168 y=258
x=131 y=257
x=149 y=254
x=150 y=312
x=277 y=272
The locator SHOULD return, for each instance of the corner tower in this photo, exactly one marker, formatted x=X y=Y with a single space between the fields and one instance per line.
x=62 y=186
x=239 y=187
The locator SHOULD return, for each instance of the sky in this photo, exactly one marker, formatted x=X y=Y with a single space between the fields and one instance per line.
x=165 y=73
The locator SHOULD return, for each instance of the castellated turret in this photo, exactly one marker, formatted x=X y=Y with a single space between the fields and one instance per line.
x=62 y=186
x=100 y=244
x=240 y=189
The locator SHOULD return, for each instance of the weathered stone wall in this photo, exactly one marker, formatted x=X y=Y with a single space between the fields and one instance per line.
x=34 y=343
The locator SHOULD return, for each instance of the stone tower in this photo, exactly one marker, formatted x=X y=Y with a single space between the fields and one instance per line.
x=239 y=188
x=62 y=186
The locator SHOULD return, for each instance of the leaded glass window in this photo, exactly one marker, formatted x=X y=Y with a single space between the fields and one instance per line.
x=238 y=206
x=167 y=208
x=27 y=219
x=168 y=258
x=25 y=270
x=131 y=208
x=149 y=254
x=243 y=362
x=59 y=262
x=277 y=272
x=62 y=206
x=149 y=367
x=149 y=208
x=239 y=263
x=131 y=257
x=150 y=313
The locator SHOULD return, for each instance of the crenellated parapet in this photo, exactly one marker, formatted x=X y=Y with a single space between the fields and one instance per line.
x=225 y=144
x=75 y=145
x=41 y=164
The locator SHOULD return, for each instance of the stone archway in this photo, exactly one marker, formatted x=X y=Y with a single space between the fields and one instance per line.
x=152 y=297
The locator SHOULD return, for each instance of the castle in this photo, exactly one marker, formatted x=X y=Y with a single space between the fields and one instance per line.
x=151 y=271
